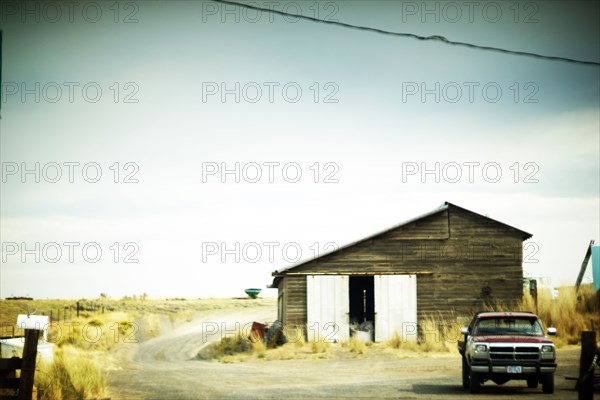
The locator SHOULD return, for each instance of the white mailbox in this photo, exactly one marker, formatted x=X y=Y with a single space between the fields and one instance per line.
x=37 y=322
x=13 y=347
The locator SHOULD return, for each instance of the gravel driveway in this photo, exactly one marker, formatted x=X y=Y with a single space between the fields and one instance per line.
x=163 y=368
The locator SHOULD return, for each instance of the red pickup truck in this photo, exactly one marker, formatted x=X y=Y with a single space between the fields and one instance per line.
x=503 y=346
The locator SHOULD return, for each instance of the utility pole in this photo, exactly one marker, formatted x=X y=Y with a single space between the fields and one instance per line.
x=588 y=254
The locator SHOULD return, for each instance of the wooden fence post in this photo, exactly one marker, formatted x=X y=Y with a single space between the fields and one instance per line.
x=588 y=351
x=28 y=365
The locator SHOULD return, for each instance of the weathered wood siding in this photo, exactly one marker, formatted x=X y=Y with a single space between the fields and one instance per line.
x=394 y=251
x=432 y=227
x=294 y=300
x=462 y=260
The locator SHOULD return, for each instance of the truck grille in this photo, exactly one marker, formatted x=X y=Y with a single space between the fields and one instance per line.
x=514 y=353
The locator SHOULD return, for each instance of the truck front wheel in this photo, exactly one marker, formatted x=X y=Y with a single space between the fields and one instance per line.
x=474 y=382
x=532 y=383
x=465 y=373
x=548 y=383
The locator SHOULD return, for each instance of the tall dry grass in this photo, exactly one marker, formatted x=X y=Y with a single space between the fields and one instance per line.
x=570 y=313
x=82 y=348
x=354 y=345
x=72 y=376
x=437 y=334
x=239 y=348
x=100 y=332
x=227 y=349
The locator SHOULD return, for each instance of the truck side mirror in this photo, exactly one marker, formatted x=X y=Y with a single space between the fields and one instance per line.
x=551 y=331
x=464 y=330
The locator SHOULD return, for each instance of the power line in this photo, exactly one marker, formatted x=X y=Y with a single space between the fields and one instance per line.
x=437 y=38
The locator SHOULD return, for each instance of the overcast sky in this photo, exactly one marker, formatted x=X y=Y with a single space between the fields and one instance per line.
x=190 y=148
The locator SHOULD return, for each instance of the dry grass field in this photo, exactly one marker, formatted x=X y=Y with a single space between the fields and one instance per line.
x=86 y=346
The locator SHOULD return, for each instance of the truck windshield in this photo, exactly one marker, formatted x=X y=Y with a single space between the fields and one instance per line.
x=508 y=326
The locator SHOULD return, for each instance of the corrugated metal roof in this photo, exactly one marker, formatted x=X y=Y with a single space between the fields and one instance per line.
x=441 y=208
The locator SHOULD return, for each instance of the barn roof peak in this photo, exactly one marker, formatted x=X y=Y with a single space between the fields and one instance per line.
x=445 y=206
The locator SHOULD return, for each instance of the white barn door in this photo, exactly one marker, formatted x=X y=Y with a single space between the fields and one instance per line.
x=327 y=307
x=395 y=306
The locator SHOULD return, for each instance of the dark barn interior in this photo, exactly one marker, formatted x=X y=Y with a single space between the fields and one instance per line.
x=362 y=299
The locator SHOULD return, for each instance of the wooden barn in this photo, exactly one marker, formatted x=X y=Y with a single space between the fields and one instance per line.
x=450 y=261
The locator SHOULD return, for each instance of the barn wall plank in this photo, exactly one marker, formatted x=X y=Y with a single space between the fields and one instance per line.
x=295 y=300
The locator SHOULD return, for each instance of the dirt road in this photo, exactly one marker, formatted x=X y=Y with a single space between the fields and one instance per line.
x=163 y=368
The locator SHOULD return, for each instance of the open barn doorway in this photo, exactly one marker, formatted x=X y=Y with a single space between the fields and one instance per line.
x=362 y=303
